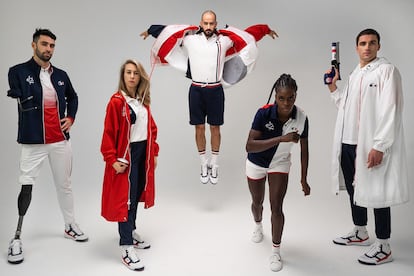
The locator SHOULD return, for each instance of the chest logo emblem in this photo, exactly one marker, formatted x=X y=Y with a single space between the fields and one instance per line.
x=30 y=80
x=270 y=126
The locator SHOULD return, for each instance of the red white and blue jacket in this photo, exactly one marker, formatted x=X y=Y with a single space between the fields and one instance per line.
x=25 y=86
x=115 y=143
x=240 y=59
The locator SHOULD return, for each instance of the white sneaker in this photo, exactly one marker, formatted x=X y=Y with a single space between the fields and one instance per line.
x=379 y=253
x=139 y=242
x=214 y=174
x=204 y=174
x=72 y=231
x=15 y=253
x=275 y=262
x=130 y=258
x=355 y=237
x=257 y=233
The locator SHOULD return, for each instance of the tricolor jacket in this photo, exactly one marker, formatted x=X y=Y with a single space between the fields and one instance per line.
x=115 y=144
x=25 y=86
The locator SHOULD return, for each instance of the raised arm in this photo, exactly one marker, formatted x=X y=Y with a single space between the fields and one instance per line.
x=260 y=30
x=153 y=30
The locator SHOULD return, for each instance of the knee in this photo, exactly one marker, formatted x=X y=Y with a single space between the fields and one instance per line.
x=276 y=209
x=215 y=129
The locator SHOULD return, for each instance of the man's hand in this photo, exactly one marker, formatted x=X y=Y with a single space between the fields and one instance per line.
x=374 y=158
x=144 y=34
x=65 y=124
x=272 y=34
x=332 y=86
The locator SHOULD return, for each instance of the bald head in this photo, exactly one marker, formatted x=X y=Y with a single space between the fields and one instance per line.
x=209 y=12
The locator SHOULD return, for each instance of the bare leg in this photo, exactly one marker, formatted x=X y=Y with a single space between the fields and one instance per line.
x=200 y=137
x=277 y=191
x=257 y=191
x=215 y=138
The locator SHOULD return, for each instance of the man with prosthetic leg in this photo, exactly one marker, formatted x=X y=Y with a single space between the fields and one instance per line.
x=47 y=105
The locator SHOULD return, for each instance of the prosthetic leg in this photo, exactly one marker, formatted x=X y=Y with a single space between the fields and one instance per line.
x=15 y=254
x=23 y=202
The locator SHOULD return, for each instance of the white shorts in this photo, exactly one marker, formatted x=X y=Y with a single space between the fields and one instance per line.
x=256 y=172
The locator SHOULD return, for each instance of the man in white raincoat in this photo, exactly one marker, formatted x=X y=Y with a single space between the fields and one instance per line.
x=369 y=152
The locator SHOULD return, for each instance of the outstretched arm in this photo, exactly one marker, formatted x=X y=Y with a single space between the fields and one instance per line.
x=273 y=34
x=260 y=30
x=153 y=30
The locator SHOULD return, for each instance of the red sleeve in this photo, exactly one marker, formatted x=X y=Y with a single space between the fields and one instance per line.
x=154 y=131
x=110 y=132
x=258 y=31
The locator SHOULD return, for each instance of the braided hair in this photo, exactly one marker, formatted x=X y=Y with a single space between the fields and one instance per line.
x=284 y=81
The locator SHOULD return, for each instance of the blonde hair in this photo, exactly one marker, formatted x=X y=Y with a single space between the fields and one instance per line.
x=143 y=88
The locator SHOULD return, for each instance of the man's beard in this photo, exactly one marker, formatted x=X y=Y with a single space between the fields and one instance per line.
x=208 y=32
x=43 y=57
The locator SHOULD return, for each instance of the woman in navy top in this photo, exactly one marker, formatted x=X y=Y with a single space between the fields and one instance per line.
x=276 y=127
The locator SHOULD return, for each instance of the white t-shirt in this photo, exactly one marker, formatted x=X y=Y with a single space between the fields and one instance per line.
x=139 y=128
x=207 y=56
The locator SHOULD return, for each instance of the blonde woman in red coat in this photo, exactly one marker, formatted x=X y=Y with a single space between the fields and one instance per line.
x=130 y=151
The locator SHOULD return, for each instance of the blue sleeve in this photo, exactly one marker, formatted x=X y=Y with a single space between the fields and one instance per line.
x=14 y=91
x=155 y=30
x=257 y=122
x=305 y=129
x=71 y=99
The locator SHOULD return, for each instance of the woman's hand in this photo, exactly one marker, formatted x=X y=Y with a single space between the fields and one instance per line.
x=119 y=167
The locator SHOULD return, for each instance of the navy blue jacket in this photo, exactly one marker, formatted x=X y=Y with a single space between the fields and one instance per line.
x=25 y=86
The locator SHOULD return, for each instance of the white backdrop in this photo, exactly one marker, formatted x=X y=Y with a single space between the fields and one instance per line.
x=95 y=37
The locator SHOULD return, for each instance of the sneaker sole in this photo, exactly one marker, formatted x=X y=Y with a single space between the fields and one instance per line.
x=134 y=269
x=74 y=239
x=390 y=259
x=138 y=247
x=15 y=262
x=361 y=243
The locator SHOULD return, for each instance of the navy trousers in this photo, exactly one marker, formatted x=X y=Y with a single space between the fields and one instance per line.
x=359 y=214
x=137 y=185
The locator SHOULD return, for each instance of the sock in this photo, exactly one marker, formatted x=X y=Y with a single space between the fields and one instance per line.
x=203 y=157
x=383 y=241
x=361 y=228
x=259 y=225
x=214 y=158
x=276 y=248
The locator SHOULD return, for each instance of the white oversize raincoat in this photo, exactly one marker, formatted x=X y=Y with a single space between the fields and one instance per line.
x=380 y=127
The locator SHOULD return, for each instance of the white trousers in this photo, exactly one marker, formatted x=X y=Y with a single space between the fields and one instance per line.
x=60 y=160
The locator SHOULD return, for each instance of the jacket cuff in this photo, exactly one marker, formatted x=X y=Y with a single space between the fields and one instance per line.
x=14 y=93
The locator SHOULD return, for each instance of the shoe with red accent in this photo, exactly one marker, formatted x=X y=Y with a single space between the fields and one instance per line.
x=379 y=253
x=72 y=231
x=130 y=258
x=355 y=237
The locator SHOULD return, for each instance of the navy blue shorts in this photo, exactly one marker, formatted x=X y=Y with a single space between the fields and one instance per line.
x=206 y=102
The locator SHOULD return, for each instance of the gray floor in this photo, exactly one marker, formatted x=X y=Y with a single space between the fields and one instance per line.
x=199 y=229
